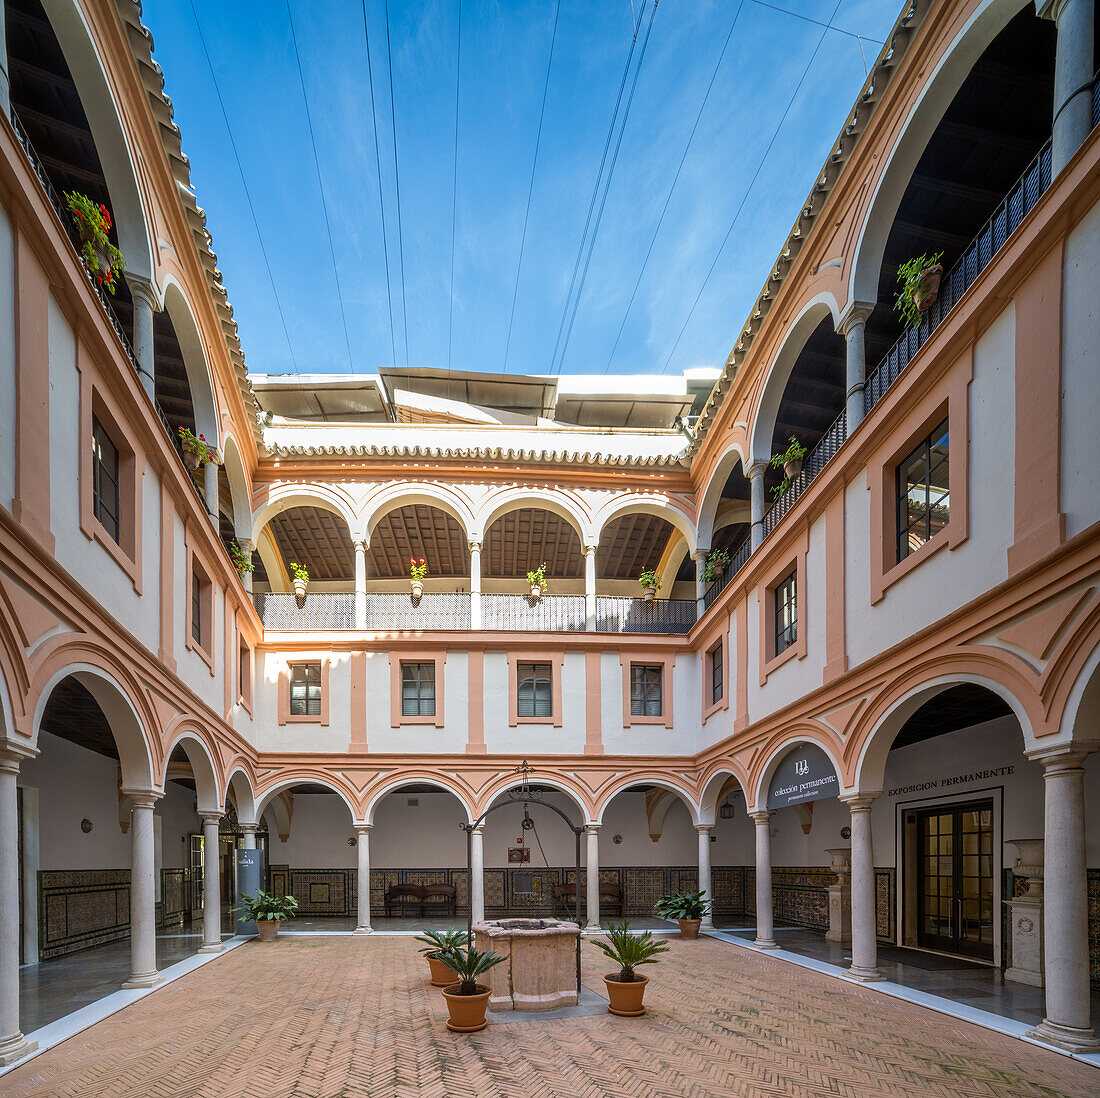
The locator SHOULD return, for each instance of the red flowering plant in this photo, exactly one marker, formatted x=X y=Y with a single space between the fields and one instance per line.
x=102 y=260
x=196 y=445
x=417 y=571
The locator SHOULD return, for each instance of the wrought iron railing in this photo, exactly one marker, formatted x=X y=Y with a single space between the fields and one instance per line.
x=549 y=613
x=319 y=611
x=399 y=611
x=737 y=562
x=616 y=614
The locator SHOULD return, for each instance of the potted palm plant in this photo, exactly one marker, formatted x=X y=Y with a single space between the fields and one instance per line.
x=300 y=578
x=267 y=912
x=436 y=944
x=687 y=908
x=417 y=572
x=537 y=580
x=625 y=988
x=920 y=286
x=467 y=999
x=651 y=584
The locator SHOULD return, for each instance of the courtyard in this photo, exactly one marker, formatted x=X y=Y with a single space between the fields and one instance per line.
x=342 y=1015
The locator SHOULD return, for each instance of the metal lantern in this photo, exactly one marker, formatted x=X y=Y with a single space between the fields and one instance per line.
x=725 y=812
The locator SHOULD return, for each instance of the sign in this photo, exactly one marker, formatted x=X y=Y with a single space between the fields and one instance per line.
x=804 y=775
x=250 y=876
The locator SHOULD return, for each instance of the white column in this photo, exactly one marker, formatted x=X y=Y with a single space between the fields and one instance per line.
x=756 y=503
x=700 y=558
x=1073 y=72
x=362 y=923
x=248 y=836
x=477 y=875
x=145 y=304
x=475 y=584
x=704 y=872
x=1065 y=913
x=360 y=583
x=590 y=587
x=211 y=881
x=765 y=930
x=864 y=966
x=13 y=1045
x=853 y=326
x=592 y=867
x=143 y=892
x=210 y=490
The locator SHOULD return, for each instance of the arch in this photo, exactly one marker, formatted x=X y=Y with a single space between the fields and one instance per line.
x=239 y=786
x=284 y=496
x=648 y=779
x=936 y=95
x=706 y=517
x=444 y=786
x=203 y=759
x=672 y=561
x=778 y=751
x=239 y=490
x=563 y=504
x=652 y=503
x=713 y=784
x=104 y=120
x=195 y=361
x=499 y=786
x=1082 y=708
x=281 y=809
x=286 y=782
x=775 y=384
x=406 y=493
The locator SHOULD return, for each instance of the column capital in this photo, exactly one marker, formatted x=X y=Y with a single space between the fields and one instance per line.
x=854 y=314
x=591 y=828
x=860 y=802
x=248 y=828
x=756 y=470
x=590 y=548
x=142 y=798
x=1065 y=757
x=762 y=816
x=700 y=555
x=361 y=543
x=363 y=828
x=478 y=830
x=12 y=754
x=704 y=829
x=211 y=817
x=142 y=289
x=1050 y=9
x=474 y=545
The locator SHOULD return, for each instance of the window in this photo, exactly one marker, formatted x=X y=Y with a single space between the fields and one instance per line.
x=105 y=468
x=645 y=690
x=534 y=690
x=418 y=689
x=305 y=690
x=244 y=673
x=923 y=498
x=786 y=613
x=716 y=674
x=196 y=607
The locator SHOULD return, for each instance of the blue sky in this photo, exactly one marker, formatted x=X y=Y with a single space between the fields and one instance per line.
x=504 y=50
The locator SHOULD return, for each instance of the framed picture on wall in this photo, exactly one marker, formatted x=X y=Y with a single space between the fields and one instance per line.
x=519 y=854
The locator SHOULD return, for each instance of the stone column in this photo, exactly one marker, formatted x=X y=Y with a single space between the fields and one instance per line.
x=145 y=304
x=765 y=929
x=700 y=558
x=362 y=923
x=360 y=583
x=13 y=1045
x=1073 y=72
x=248 y=547
x=1065 y=902
x=248 y=836
x=211 y=881
x=853 y=326
x=592 y=865
x=477 y=874
x=210 y=490
x=143 y=892
x=756 y=502
x=864 y=966
x=475 y=584
x=704 y=873
x=590 y=588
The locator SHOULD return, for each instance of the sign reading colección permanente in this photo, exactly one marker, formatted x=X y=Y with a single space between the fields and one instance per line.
x=806 y=774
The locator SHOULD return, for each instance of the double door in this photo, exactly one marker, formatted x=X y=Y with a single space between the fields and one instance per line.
x=955 y=910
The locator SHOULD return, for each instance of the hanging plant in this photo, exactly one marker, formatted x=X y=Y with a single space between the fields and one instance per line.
x=537 y=580
x=299 y=579
x=196 y=450
x=417 y=573
x=718 y=560
x=651 y=584
x=790 y=461
x=920 y=286
x=103 y=261
x=242 y=561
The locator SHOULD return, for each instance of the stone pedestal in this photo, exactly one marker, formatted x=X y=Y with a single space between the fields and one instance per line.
x=1026 y=915
x=539 y=971
x=840 y=896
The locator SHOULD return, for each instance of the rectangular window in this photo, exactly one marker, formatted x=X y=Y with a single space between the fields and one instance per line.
x=244 y=673
x=923 y=498
x=786 y=613
x=418 y=689
x=196 y=606
x=534 y=690
x=105 y=495
x=305 y=690
x=645 y=691
x=716 y=675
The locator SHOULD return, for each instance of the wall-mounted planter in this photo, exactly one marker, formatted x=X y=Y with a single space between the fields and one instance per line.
x=417 y=588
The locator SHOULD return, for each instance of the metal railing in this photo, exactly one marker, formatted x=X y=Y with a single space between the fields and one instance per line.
x=737 y=562
x=549 y=613
x=320 y=612
x=617 y=614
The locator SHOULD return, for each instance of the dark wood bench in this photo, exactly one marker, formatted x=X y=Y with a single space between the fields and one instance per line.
x=420 y=896
x=611 y=899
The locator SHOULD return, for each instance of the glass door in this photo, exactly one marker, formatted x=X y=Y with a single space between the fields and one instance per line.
x=196 y=878
x=955 y=879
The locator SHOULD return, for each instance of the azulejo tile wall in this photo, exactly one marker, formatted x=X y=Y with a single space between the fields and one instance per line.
x=81 y=908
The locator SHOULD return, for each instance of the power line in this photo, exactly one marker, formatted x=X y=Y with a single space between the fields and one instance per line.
x=675 y=180
x=454 y=188
x=244 y=183
x=531 y=184
x=752 y=182
x=321 y=187
x=381 y=203
x=397 y=182
x=816 y=22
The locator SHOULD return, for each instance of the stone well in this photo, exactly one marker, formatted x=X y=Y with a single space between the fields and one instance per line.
x=539 y=971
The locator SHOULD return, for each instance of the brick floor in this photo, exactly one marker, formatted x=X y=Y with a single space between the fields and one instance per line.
x=355 y=1016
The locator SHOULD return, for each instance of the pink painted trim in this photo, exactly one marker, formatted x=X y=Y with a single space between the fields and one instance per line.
x=437 y=656
x=555 y=660
x=717 y=637
x=166 y=655
x=357 y=719
x=475 y=733
x=593 y=707
x=665 y=660
x=769 y=661
x=205 y=648
x=741 y=618
x=285 y=716
x=836 y=645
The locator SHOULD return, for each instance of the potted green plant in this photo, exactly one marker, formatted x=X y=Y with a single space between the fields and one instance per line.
x=537 y=580
x=651 y=584
x=687 y=908
x=467 y=999
x=436 y=944
x=299 y=576
x=267 y=911
x=100 y=257
x=718 y=560
x=196 y=450
x=417 y=572
x=625 y=988
x=242 y=561
x=919 y=279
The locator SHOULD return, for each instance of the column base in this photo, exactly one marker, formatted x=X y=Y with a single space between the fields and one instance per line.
x=1069 y=1038
x=863 y=975
x=1024 y=976
x=15 y=1048
x=364 y=930
x=142 y=980
x=219 y=948
x=765 y=943
x=706 y=924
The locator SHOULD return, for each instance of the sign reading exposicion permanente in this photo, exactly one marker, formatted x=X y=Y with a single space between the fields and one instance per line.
x=806 y=774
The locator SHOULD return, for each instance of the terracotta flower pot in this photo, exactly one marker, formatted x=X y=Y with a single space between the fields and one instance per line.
x=417 y=588
x=299 y=588
x=625 y=1000
x=649 y=593
x=536 y=590
x=791 y=469
x=268 y=929
x=467 y=1011
x=928 y=288
x=689 y=928
x=441 y=975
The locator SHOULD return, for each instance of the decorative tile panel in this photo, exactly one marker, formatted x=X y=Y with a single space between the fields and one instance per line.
x=78 y=909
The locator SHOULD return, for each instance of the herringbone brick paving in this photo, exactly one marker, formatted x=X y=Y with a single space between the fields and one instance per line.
x=331 y=1017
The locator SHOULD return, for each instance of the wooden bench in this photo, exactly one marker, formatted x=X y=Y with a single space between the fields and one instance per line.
x=611 y=899
x=420 y=896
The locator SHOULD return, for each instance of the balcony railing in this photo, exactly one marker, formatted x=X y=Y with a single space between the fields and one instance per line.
x=317 y=612
x=549 y=614
x=616 y=614
x=737 y=562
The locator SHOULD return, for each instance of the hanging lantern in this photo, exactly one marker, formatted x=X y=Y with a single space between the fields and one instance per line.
x=725 y=812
